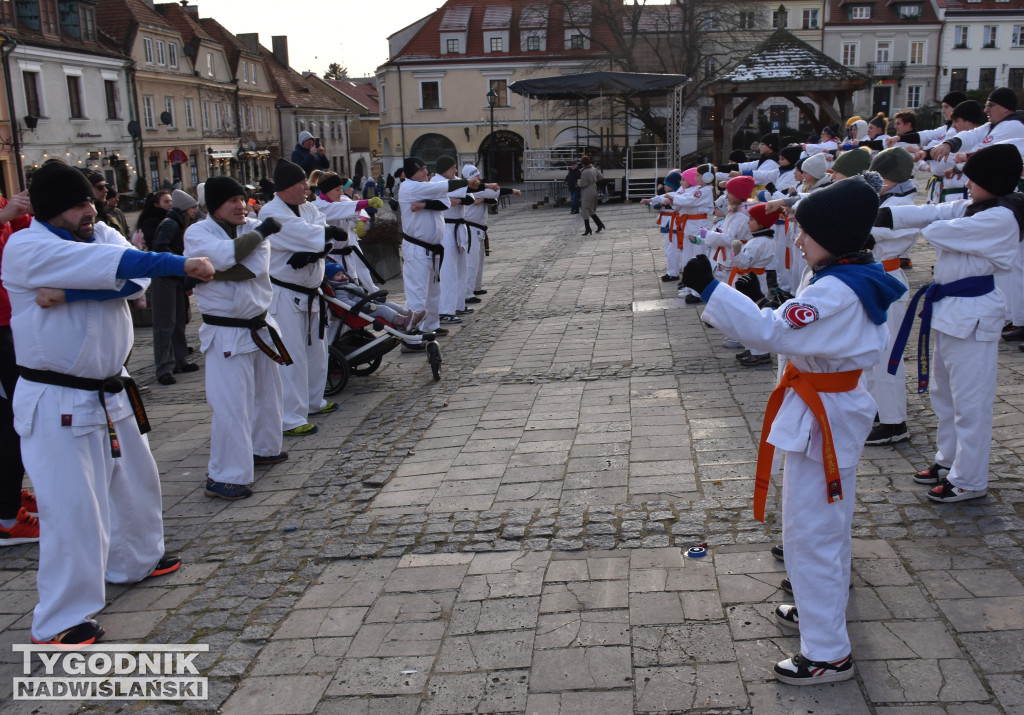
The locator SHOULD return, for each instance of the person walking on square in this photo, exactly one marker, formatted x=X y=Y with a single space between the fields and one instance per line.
x=590 y=176
x=572 y=182
x=170 y=304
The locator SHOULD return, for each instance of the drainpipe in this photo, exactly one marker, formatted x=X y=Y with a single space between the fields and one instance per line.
x=133 y=115
x=938 y=54
x=401 y=111
x=9 y=43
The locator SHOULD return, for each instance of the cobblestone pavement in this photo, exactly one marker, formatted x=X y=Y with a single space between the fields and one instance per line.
x=509 y=539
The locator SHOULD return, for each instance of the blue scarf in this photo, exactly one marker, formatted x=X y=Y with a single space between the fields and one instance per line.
x=875 y=288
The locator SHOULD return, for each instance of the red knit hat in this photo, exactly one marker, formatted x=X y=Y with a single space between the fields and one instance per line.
x=740 y=186
x=760 y=214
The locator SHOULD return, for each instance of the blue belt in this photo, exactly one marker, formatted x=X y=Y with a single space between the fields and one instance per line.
x=971 y=287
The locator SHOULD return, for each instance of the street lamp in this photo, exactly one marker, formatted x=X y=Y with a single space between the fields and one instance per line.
x=492 y=97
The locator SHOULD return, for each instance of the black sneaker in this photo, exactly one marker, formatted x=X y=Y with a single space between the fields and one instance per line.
x=948 y=493
x=479 y=292
x=450 y=320
x=777 y=552
x=755 y=360
x=800 y=671
x=82 y=634
x=465 y=311
x=187 y=367
x=743 y=354
x=228 y=492
x=440 y=332
x=668 y=279
x=474 y=299
x=883 y=433
x=692 y=299
x=787 y=617
x=260 y=460
x=933 y=475
x=166 y=565
x=786 y=586
x=166 y=380
x=1014 y=335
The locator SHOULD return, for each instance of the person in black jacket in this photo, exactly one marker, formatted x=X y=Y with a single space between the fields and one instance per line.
x=309 y=154
x=170 y=304
x=572 y=180
x=154 y=210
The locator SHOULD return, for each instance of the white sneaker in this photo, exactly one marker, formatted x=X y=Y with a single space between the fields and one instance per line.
x=786 y=616
x=800 y=671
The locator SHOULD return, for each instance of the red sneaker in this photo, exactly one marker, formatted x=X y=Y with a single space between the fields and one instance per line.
x=83 y=634
x=28 y=502
x=25 y=531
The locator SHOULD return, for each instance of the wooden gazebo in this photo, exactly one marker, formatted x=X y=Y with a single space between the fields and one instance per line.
x=783 y=66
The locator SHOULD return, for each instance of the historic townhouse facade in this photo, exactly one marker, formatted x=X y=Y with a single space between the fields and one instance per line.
x=982 y=45
x=361 y=100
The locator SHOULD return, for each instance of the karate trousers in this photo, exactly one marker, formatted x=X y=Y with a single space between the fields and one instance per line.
x=422 y=291
x=890 y=391
x=303 y=381
x=1012 y=286
x=963 y=391
x=453 y=271
x=100 y=518
x=816 y=538
x=244 y=391
x=474 y=264
x=672 y=255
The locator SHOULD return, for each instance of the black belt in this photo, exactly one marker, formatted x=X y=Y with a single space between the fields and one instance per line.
x=311 y=293
x=113 y=385
x=474 y=225
x=460 y=222
x=435 y=248
x=346 y=250
x=281 y=357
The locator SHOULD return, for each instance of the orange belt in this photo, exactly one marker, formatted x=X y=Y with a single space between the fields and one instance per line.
x=807 y=386
x=891 y=264
x=719 y=250
x=736 y=271
x=787 y=257
x=663 y=214
x=680 y=224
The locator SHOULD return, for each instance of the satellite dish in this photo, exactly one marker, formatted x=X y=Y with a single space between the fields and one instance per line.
x=134 y=129
x=166 y=118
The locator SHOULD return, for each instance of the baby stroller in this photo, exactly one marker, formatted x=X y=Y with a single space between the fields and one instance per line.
x=363 y=341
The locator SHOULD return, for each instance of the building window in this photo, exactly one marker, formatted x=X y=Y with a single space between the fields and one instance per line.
x=452 y=45
x=707 y=118
x=259 y=119
x=147 y=45
x=987 y=78
x=195 y=169
x=430 y=95
x=860 y=12
x=909 y=12
x=249 y=112
x=710 y=22
x=218 y=120
x=989 y=35
x=882 y=51
x=75 y=96
x=245 y=71
x=209 y=64
x=169 y=108
x=850 y=54
x=1018 y=36
x=229 y=122
x=577 y=42
x=241 y=119
x=48 y=23
x=533 y=43
x=780 y=19
x=190 y=115
x=916 y=53
x=811 y=19
x=161 y=53
x=266 y=116
x=87 y=23
x=710 y=67
x=110 y=93
x=32 y=105
x=960 y=34
x=958 y=80
x=497 y=44
x=172 y=54
x=7 y=13
x=206 y=115
x=913 y=96
x=252 y=72
x=500 y=88
x=148 y=113
x=154 y=172
x=747 y=20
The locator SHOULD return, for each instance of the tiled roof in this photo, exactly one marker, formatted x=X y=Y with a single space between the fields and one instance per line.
x=234 y=47
x=456 y=19
x=104 y=44
x=363 y=93
x=534 y=17
x=783 y=56
x=191 y=31
x=981 y=5
x=497 y=17
x=885 y=12
x=116 y=19
x=294 y=90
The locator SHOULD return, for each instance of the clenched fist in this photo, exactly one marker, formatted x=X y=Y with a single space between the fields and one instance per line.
x=200 y=268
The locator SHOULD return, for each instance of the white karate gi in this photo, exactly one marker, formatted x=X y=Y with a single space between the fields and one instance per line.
x=666 y=223
x=763 y=170
x=304 y=380
x=456 y=243
x=100 y=517
x=344 y=214
x=718 y=241
x=693 y=201
x=243 y=386
x=824 y=329
x=477 y=214
x=422 y=287
x=987 y=134
x=966 y=330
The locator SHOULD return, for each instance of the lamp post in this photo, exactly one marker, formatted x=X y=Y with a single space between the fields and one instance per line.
x=492 y=97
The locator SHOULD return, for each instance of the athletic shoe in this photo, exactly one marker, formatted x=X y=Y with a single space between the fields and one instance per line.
x=946 y=492
x=906 y=263
x=187 y=367
x=755 y=360
x=465 y=311
x=731 y=343
x=166 y=565
x=1014 y=335
x=24 y=531
x=166 y=380
x=326 y=409
x=225 y=491
x=28 y=502
x=82 y=634
x=439 y=332
x=473 y=299
x=786 y=585
x=691 y=299
x=479 y=292
x=1010 y=327
x=450 y=320
x=301 y=431
x=410 y=348
x=669 y=279
x=800 y=671
x=786 y=616
x=883 y=433
x=777 y=553
x=743 y=354
x=933 y=475
x=260 y=460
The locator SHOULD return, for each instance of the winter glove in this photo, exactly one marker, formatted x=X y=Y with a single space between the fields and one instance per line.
x=375 y=202
x=770 y=188
x=335 y=234
x=693 y=238
x=736 y=246
x=884 y=217
x=491 y=202
x=303 y=259
x=436 y=205
x=360 y=228
x=697 y=274
x=268 y=226
x=750 y=286
x=763 y=196
x=704 y=232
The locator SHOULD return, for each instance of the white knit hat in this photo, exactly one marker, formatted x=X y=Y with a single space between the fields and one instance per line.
x=815 y=165
x=469 y=171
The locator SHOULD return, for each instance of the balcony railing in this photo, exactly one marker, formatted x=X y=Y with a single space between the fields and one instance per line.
x=887 y=69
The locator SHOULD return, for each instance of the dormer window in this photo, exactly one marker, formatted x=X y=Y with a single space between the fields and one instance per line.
x=7 y=13
x=909 y=11
x=496 y=44
x=452 y=45
x=860 y=12
x=87 y=23
x=48 y=17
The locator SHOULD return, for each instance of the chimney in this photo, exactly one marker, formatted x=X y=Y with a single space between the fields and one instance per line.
x=281 y=49
x=192 y=10
x=251 y=40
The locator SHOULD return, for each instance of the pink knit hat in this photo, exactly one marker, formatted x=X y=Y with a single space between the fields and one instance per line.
x=690 y=176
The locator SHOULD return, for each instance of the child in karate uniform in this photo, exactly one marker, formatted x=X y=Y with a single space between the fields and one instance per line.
x=820 y=412
x=753 y=258
x=694 y=207
x=666 y=222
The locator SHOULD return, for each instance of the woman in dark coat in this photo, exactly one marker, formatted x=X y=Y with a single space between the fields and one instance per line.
x=589 y=178
x=154 y=210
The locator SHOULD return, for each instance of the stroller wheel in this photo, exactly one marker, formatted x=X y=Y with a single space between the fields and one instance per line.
x=365 y=368
x=434 y=357
x=337 y=372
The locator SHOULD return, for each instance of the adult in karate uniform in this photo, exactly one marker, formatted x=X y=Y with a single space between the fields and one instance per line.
x=97 y=484
x=476 y=221
x=456 y=244
x=243 y=384
x=297 y=254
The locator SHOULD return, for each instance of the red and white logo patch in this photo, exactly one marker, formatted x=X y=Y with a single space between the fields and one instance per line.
x=696 y=194
x=800 y=315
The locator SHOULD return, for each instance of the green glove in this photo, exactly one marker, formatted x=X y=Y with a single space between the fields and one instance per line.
x=361 y=226
x=375 y=202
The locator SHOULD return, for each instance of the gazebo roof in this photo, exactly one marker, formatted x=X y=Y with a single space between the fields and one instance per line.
x=785 y=58
x=595 y=84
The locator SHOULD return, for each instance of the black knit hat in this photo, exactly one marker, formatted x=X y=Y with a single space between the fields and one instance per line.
x=1004 y=97
x=772 y=140
x=221 y=188
x=411 y=165
x=57 y=187
x=287 y=174
x=971 y=111
x=954 y=98
x=328 y=181
x=895 y=164
x=738 y=156
x=854 y=201
x=444 y=163
x=879 y=121
x=791 y=153
x=995 y=168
